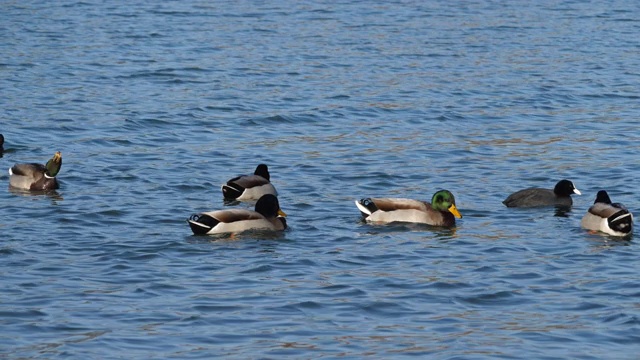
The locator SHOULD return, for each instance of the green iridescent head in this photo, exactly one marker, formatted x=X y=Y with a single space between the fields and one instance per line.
x=54 y=164
x=443 y=200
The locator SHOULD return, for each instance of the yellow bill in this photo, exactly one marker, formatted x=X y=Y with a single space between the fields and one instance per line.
x=454 y=210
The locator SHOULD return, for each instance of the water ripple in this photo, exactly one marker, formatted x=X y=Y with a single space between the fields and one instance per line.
x=155 y=105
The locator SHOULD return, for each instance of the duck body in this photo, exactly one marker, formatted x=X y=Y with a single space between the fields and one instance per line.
x=441 y=212
x=607 y=217
x=36 y=177
x=249 y=187
x=560 y=195
x=233 y=221
x=267 y=216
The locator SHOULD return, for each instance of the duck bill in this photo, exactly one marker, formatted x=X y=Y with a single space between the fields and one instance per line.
x=577 y=192
x=281 y=213
x=454 y=210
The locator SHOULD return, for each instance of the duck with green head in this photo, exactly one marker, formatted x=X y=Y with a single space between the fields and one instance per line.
x=442 y=210
x=34 y=176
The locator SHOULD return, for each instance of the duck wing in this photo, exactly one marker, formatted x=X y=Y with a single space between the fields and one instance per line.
x=392 y=204
x=605 y=211
x=31 y=170
x=233 y=215
x=248 y=181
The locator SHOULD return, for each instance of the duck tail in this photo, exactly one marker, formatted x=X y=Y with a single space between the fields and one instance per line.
x=366 y=206
x=622 y=221
x=201 y=224
x=232 y=191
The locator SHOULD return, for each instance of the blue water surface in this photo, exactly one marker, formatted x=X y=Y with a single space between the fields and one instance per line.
x=155 y=104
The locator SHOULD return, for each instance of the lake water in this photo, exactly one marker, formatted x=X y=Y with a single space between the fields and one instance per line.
x=155 y=104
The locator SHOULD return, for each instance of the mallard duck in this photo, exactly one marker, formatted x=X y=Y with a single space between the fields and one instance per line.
x=440 y=212
x=249 y=187
x=533 y=197
x=267 y=216
x=611 y=218
x=33 y=176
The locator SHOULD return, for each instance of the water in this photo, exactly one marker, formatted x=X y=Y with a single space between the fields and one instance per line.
x=155 y=104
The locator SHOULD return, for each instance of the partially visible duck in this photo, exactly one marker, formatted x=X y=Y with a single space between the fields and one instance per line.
x=441 y=211
x=249 y=187
x=534 y=197
x=610 y=218
x=267 y=216
x=34 y=176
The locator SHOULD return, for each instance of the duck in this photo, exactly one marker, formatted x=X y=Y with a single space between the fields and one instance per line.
x=560 y=195
x=267 y=216
x=442 y=210
x=607 y=217
x=249 y=187
x=36 y=177
x=1 y=143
